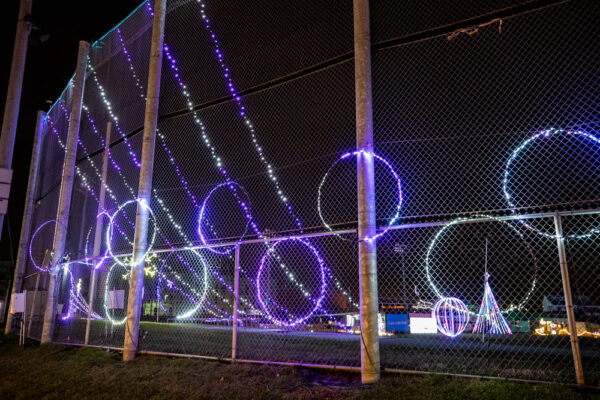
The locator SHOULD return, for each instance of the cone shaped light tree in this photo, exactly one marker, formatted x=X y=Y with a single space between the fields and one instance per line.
x=489 y=318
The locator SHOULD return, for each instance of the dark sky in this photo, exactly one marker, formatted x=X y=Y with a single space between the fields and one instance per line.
x=49 y=65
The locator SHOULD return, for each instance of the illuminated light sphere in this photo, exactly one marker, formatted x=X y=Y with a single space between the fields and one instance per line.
x=90 y=260
x=33 y=237
x=263 y=299
x=539 y=137
x=444 y=230
x=190 y=289
x=244 y=204
x=394 y=217
x=451 y=315
x=109 y=234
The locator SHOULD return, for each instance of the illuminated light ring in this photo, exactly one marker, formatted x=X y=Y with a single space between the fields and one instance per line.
x=199 y=304
x=515 y=154
x=394 y=174
x=37 y=266
x=109 y=233
x=244 y=205
x=89 y=260
x=317 y=304
x=451 y=315
x=478 y=217
x=107 y=289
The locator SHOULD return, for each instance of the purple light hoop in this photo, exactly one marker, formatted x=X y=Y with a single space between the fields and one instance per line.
x=396 y=177
x=245 y=205
x=317 y=305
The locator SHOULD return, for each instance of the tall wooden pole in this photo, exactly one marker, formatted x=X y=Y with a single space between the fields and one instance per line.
x=13 y=95
x=98 y=232
x=27 y=212
x=367 y=226
x=66 y=190
x=136 y=286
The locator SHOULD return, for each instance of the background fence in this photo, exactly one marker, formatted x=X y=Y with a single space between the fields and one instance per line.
x=485 y=124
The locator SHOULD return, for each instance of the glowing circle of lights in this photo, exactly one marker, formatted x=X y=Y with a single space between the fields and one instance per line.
x=457 y=221
x=107 y=312
x=317 y=302
x=183 y=286
x=36 y=265
x=90 y=260
x=393 y=219
x=245 y=205
x=550 y=133
x=451 y=316
x=109 y=234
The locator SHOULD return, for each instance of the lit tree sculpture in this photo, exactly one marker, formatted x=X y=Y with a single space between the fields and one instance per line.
x=489 y=317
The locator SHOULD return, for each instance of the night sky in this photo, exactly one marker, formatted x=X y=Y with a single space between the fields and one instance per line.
x=48 y=67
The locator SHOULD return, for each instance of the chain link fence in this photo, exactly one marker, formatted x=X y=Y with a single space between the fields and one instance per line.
x=485 y=121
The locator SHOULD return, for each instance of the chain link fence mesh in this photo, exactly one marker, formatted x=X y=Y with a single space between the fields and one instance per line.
x=481 y=133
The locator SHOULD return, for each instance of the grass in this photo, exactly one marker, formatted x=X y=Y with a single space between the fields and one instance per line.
x=58 y=371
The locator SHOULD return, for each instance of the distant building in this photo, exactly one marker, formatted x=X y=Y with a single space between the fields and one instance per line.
x=556 y=303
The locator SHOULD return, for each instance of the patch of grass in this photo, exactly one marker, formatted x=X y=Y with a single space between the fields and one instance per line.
x=57 y=371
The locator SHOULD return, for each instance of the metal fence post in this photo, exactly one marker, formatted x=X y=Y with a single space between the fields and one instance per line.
x=145 y=183
x=564 y=271
x=66 y=190
x=28 y=211
x=13 y=95
x=98 y=232
x=236 y=298
x=367 y=248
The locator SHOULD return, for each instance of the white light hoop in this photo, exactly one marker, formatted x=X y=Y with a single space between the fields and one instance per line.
x=505 y=183
x=37 y=266
x=488 y=218
x=245 y=205
x=200 y=303
x=109 y=233
x=107 y=289
x=399 y=205
x=90 y=260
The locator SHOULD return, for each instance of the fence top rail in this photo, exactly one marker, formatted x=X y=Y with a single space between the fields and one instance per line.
x=459 y=220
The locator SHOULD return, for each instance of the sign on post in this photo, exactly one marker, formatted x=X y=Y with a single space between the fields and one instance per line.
x=116 y=299
x=5 y=179
x=17 y=305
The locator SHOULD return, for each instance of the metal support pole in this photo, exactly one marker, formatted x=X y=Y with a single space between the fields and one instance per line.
x=13 y=95
x=145 y=183
x=367 y=227
x=98 y=232
x=236 y=298
x=564 y=271
x=66 y=190
x=33 y=302
x=34 y=167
